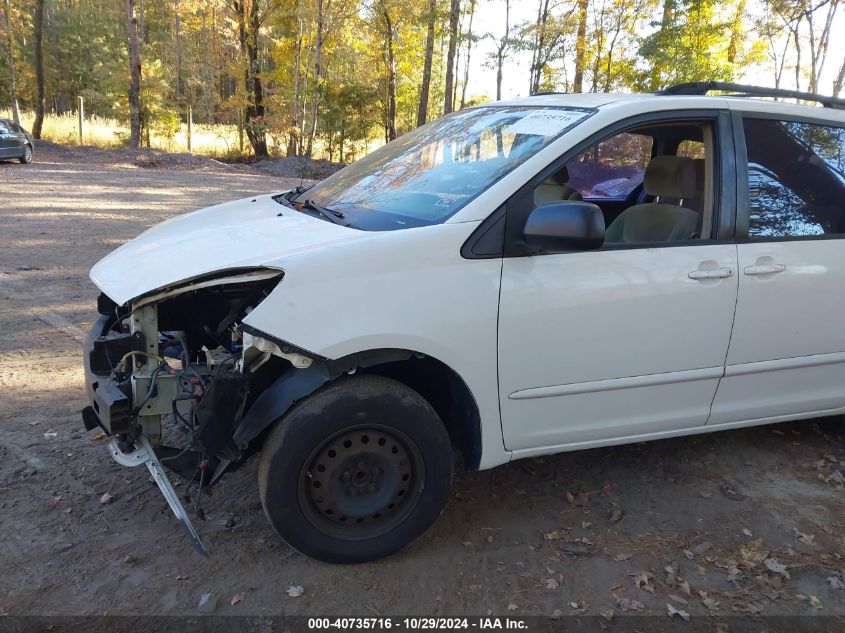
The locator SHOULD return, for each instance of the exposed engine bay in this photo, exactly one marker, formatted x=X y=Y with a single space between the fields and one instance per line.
x=183 y=358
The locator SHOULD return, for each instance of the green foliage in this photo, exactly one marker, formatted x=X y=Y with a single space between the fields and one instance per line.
x=324 y=65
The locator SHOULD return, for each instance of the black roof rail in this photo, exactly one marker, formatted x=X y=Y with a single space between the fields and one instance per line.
x=740 y=90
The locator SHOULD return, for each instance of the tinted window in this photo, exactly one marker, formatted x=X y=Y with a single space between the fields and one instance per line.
x=4 y=129
x=796 y=179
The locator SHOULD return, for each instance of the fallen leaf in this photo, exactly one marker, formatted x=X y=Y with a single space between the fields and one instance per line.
x=512 y=607
x=677 y=599
x=578 y=499
x=815 y=602
x=585 y=524
x=679 y=612
x=552 y=583
x=50 y=434
x=294 y=591
x=807 y=539
x=685 y=587
x=239 y=597
x=774 y=566
x=747 y=532
x=710 y=603
x=626 y=604
x=689 y=554
x=607 y=614
x=730 y=492
x=621 y=557
x=98 y=436
x=615 y=515
x=753 y=551
x=555 y=535
x=106 y=498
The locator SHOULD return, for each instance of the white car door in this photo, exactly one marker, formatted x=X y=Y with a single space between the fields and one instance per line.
x=630 y=339
x=787 y=352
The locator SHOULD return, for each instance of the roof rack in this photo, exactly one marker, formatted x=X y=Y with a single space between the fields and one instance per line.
x=740 y=90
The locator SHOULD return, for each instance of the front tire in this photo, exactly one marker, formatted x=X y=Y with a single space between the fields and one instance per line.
x=356 y=471
x=26 y=159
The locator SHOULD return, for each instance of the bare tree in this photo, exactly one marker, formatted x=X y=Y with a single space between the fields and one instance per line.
x=134 y=75
x=503 y=45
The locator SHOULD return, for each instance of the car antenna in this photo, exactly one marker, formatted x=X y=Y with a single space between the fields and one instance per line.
x=303 y=169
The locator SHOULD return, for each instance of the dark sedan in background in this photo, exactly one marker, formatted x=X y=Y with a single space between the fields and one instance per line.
x=15 y=142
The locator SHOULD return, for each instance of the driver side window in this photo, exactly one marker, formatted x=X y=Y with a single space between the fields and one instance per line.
x=653 y=184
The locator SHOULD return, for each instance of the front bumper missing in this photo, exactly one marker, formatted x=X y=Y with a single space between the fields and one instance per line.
x=110 y=410
x=145 y=455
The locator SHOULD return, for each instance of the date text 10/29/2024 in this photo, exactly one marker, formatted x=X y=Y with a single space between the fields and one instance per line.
x=418 y=624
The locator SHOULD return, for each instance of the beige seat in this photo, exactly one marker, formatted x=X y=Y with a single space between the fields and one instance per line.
x=555 y=188
x=665 y=177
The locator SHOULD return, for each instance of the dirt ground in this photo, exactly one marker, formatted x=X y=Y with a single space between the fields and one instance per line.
x=742 y=522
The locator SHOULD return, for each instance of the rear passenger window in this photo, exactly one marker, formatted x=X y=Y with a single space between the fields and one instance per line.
x=796 y=179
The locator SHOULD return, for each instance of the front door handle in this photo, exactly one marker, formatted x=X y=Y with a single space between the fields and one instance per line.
x=764 y=270
x=715 y=273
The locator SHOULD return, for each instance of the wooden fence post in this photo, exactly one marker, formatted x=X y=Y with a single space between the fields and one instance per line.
x=81 y=112
x=190 y=126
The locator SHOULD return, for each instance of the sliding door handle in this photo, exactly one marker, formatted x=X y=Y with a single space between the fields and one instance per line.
x=715 y=273
x=771 y=269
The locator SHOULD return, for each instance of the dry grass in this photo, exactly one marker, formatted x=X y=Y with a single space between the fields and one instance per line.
x=217 y=139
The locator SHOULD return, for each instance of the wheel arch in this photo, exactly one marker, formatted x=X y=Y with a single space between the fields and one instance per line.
x=440 y=385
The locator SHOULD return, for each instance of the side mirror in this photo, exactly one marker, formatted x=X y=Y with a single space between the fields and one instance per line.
x=565 y=226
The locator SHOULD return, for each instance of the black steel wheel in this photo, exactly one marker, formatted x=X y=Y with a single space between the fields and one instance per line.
x=356 y=471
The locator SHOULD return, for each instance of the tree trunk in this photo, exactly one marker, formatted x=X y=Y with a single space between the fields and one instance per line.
x=177 y=27
x=454 y=14
x=249 y=22
x=318 y=72
x=665 y=23
x=390 y=127
x=500 y=51
x=422 y=108
x=38 y=37
x=134 y=75
x=10 y=60
x=293 y=141
x=580 y=47
x=537 y=57
x=839 y=82
x=469 y=52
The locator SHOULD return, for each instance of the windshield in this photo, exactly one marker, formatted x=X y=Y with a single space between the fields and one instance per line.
x=426 y=176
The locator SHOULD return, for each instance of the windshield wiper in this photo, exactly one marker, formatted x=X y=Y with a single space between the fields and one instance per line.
x=330 y=214
x=287 y=198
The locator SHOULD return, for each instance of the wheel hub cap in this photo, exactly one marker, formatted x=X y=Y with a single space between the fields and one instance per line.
x=359 y=477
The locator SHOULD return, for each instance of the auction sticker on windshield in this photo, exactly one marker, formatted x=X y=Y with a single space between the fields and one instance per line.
x=545 y=122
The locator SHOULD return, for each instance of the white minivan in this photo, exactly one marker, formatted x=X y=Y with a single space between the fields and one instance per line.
x=515 y=279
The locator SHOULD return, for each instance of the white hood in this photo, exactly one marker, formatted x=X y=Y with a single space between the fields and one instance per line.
x=243 y=233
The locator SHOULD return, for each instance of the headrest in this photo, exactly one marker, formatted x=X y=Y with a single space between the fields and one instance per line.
x=670 y=176
x=560 y=177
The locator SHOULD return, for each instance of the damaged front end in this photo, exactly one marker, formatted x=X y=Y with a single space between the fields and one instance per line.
x=175 y=378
